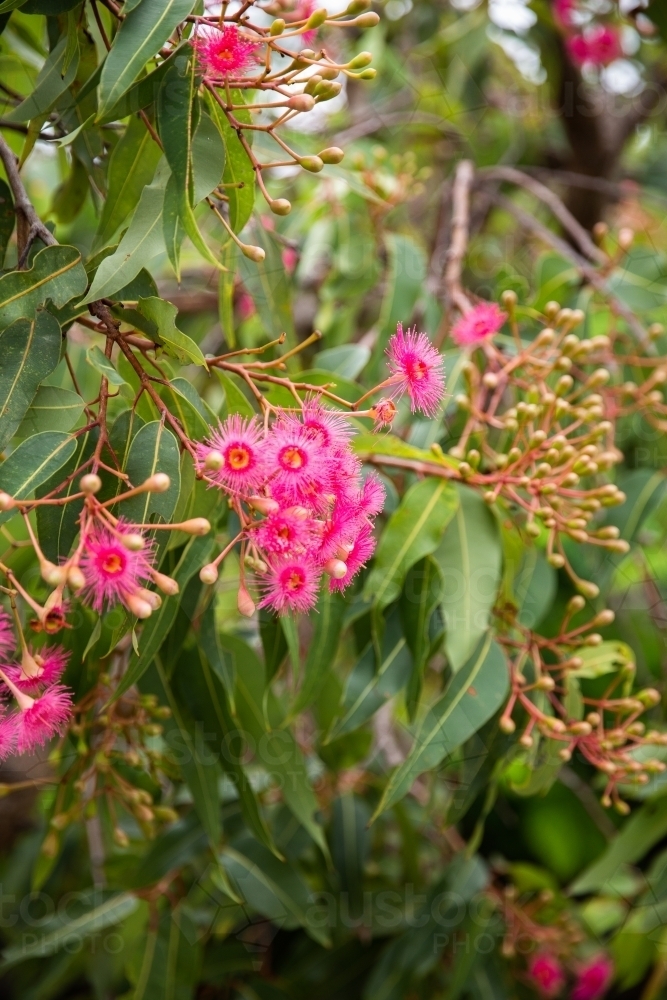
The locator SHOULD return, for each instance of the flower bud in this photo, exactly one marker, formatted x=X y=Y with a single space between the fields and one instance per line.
x=157 y=483
x=336 y=568
x=245 y=603
x=301 y=102
x=556 y=560
x=138 y=606
x=265 y=505
x=208 y=574
x=195 y=526
x=120 y=837
x=356 y=6
x=167 y=584
x=332 y=154
x=52 y=574
x=150 y=597
x=165 y=813
x=133 y=541
x=605 y=617
x=6 y=502
x=90 y=483
x=368 y=20
x=280 y=206
x=312 y=163
x=506 y=724
x=317 y=19
x=253 y=253
x=75 y=578
x=649 y=697
x=214 y=461
x=361 y=60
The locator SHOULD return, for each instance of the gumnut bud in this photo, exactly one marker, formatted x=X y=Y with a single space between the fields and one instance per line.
x=280 y=206
x=52 y=574
x=245 y=603
x=167 y=584
x=214 y=461
x=157 y=483
x=277 y=27
x=332 y=154
x=317 y=19
x=312 y=163
x=6 y=502
x=75 y=578
x=369 y=20
x=150 y=597
x=252 y=253
x=361 y=60
x=336 y=568
x=208 y=574
x=265 y=505
x=120 y=837
x=138 y=606
x=195 y=526
x=507 y=724
x=133 y=541
x=90 y=483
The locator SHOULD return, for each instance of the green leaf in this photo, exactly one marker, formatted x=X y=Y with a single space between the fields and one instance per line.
x=208 y=158
x=368 y=446
x=405 y=280
x=171 y=959
x=32 y=463
x=322 y=648
x=348 y=360
x=350 y=846
x=474 y=694
x=154 y=449
x=70 y=932
x=271 y=887
x=156 y=627
x=142 y=241
x=421 y=595
x=99 y=361
x=644 y=489
x=52 y=408
x=607 y=658
x=269 y=285
x=131 y=168
x=56 y=273
x=470 y=560
x=368 y=688
x=642 y=831
x=183 y=406
x=57 y=526
x=162 y=315
x=414 y=530
x=142 y=34
x=30 y=350
x=236 y=401
x=177 y=105
x=239 y=174
x=7 y=219
x=51 y=82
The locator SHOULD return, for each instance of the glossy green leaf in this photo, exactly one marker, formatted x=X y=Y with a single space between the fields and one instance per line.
x=470 y=560
x=474 y=694
x=350 y=846
x=32 y=463
x=236 y=401
x=271 y=887
x=155 y=629
x=56 y=273
x=57 y=526
x=154 y=449
x=162 y=315
x=239 y=175
x=51 y=82
x=368 y=445
x=407 y=274
x=51 y=409
x=606 y=658
x=413 y=531
x=99 y=361
x=208 y=158
x=142 y=241
x=142 y=34
x=422 y=626
x=131 y=168
x=322 y=647
x=30 y=350
x=171 y=959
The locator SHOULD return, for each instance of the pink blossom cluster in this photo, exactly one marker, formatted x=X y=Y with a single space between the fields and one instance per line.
x=548 y=976
x=41 y=706
x=478 y=324
x=303 y=476
x=597 y=45
x=224 y=53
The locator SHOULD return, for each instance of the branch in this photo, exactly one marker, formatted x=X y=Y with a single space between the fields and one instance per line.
x=29 y=226
x=465 y=173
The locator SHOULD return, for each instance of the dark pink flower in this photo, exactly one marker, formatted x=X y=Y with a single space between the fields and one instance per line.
x=417 y=368
x=329 y=428
x=39 y=669
x=372 y=496
x=593 y=979
x=297 y=465
x=113 y=572
x=240 y=444
x=37 y=719
x=599 y=46
x=481 y=322
x=246 y=306
x=362 y=550
x=290 y=259
x=290 y=585
x=287 y=532
x=340 y=530
x=563 y=11
x=8 y=733
x=546 y=973
x=224 y=53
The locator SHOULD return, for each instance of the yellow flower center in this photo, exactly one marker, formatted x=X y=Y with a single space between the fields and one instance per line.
x=113 y=563
x=292 y=457
x=238 y=457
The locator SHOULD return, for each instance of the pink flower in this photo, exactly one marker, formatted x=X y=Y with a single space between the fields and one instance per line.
x=599 y=46
x=563 y=11
x=246 y=306
x=417 y=368
x=224 y=53
x=7 y=736
x=6 y=633
x=329 y=428
x=239 y=441
x=39 y=669
x=297 y=465
x=362 y=550
x=38 y=719
x=286 y=533
x=340 y=531
x=113 y=572
x=593 y=979
x=546 y=973
x=481 y=322
x=372 y=496
x=290 y=585
x=290 y=259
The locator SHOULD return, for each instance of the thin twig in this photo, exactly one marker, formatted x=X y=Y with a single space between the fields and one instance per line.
x=29 y=226
x=463 y=179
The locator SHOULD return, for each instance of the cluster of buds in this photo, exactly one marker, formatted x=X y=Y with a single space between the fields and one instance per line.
x=540 y=420
x=607 y=731
x=113 y=748
x=545 y=926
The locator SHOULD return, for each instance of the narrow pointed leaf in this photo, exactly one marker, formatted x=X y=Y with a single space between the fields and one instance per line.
x=30 y=350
